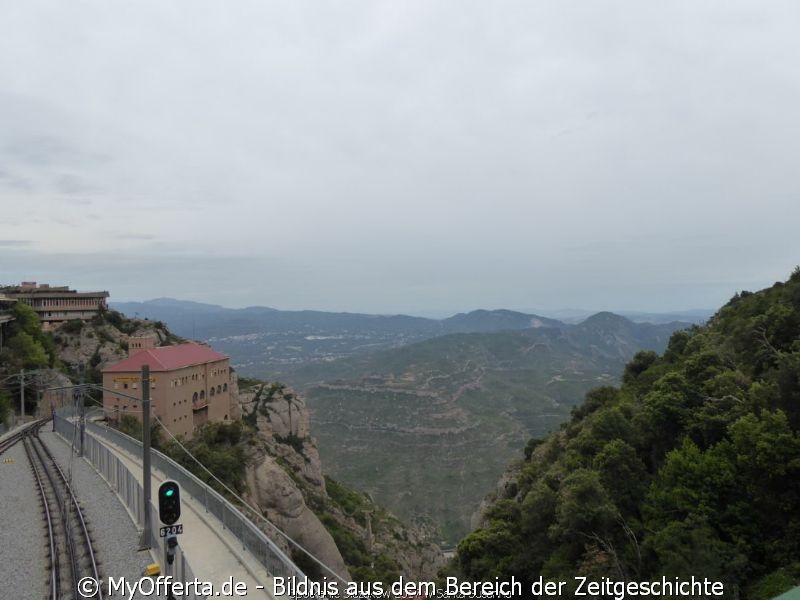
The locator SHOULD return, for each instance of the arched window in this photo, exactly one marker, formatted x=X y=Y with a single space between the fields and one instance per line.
x=224 y=387
x=203 y=395
x=211 y=392
x=219 y=389
x=194 y=397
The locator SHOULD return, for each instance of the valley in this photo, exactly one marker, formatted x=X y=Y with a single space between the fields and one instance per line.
x=426 y=429
x=422 y=414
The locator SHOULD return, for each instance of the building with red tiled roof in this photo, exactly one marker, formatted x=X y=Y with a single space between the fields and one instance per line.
x=190 y=384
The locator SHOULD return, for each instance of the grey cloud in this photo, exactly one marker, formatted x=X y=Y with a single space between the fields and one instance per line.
x=16 y=182
x=134 y=236
x=70 y=184
x=38 y=151
x=48 y=151
x=65 y=222
x=396 y=156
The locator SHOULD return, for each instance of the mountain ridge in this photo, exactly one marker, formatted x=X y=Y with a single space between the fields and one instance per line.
x=459 y=404
x=689 y=467
x=271 y=343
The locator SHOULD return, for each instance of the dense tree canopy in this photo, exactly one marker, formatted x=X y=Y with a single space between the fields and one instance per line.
x=691 y=467
x=28 y=346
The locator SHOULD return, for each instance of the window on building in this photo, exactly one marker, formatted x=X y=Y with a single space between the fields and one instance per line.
x=211 y=392
x=224 y=387
x=219 y=389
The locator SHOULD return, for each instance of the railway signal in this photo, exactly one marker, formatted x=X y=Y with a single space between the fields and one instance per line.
x=169 y=502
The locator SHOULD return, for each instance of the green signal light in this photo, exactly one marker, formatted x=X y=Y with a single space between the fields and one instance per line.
x=169 y=502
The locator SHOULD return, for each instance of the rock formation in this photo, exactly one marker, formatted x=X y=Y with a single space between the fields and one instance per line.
x=284 y=460
x=285 y=479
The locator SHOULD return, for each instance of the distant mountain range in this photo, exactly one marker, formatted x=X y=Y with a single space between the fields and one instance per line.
x=422 y=413
x=203 y=321
x=267 y=342
x=695 y=316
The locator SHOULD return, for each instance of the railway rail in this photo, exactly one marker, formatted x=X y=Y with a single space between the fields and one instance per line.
x=18 y=435
x=71 y=551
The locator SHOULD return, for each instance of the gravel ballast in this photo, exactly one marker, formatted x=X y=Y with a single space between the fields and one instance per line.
x=113 y=532
x=24 y=562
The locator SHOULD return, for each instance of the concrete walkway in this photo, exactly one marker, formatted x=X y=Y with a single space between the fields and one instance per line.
x=214 y=553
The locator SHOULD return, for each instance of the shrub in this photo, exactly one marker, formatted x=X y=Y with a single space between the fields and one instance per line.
x=73 y=327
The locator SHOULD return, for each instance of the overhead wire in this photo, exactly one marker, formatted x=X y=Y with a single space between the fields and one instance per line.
x=253 y=508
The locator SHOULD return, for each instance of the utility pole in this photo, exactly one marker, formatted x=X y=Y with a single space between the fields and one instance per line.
x=368 y=518
x=21 y=395
x=145 y=543
x=82 y=411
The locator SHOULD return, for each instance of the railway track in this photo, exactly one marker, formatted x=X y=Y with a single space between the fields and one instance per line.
x=71 y=552
x=18 y=435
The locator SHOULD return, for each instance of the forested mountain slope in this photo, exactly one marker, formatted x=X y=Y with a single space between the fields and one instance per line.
x=691 y=467
x=461 y=405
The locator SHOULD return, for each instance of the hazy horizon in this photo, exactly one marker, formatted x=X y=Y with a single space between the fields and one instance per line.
x=565 y=313
x=387 y=157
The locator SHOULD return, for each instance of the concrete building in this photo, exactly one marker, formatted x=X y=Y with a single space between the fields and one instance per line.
x=6 y=318
x=191 y=384
x=56 y=304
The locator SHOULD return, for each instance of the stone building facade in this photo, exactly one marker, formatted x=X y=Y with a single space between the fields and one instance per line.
x=190 y=384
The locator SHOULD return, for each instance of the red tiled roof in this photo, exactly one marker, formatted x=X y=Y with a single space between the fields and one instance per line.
x=167 y=358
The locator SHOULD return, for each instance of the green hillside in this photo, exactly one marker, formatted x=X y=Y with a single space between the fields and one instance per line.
x=691 y=467
x=427 y=428
x=26 y=347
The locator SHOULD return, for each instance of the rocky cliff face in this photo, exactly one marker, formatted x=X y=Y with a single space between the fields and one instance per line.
x=285 y=479
x=104 y=339
x=88 y=346
x=283 y=462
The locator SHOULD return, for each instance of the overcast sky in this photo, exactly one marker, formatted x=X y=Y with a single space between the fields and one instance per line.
x=401 y=156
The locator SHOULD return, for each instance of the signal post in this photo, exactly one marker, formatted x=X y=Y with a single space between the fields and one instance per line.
x=169 y=511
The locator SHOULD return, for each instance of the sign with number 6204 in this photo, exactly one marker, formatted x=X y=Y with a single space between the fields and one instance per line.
x=170 y=530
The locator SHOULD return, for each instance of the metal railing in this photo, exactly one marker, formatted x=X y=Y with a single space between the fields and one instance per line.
x=122 y=481
x=250 y=536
